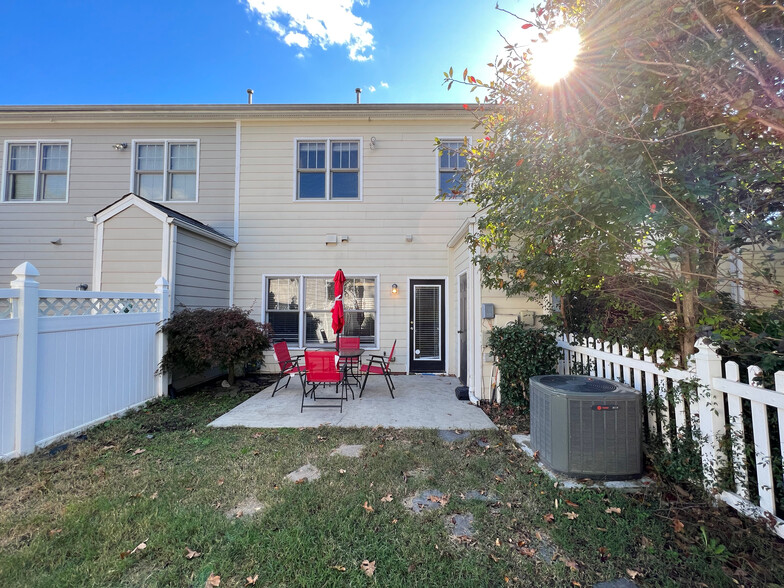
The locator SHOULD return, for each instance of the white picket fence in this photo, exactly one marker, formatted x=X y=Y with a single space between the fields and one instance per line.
x=706 y=413
x=71 y=359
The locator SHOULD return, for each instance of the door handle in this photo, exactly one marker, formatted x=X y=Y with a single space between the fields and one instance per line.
x=460 y=332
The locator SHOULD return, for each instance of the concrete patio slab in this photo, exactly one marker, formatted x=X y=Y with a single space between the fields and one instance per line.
x=421 y=402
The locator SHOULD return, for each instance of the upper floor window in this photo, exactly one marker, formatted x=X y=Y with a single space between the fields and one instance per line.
x=166 y=170
x=328 y=169
x=36 y=171
x=451 y=164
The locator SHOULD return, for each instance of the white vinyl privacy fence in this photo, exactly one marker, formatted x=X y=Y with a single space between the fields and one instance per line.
x=739 y=426
x=71 y=359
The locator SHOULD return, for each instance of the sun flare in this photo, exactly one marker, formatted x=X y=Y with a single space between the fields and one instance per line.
x=552 y=61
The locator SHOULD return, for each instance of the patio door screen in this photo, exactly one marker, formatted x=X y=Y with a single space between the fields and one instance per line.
x=426 y=328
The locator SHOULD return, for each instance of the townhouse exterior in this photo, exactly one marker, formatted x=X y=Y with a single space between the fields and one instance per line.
x=258 y=206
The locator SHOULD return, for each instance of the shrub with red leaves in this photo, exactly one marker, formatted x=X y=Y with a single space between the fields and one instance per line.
x=203 y=338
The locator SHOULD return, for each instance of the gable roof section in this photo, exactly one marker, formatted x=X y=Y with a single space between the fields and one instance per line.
x=162 y=213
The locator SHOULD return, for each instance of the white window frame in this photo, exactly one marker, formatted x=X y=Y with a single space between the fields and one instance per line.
x=455 y=198
x=328 y=167
x=36 y=182
x=302 y=344
x=166 y=163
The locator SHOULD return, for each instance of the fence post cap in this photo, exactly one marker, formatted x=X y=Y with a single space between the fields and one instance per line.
x=161 y=283
x=704 y=346
x=25 y=270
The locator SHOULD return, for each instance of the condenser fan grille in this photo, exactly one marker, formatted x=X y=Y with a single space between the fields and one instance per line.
x=595 y=386
x=578 y=384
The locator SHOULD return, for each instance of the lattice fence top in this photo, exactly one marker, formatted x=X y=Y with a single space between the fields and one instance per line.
x=6 y=308
x=63 y=306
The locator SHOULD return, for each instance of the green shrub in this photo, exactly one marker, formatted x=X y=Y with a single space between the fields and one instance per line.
x=222 y=337
x=520 y=353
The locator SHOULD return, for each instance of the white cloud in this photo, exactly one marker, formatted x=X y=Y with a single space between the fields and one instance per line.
x=371 y=88
x=384 y=85
x=300 y=55
x=323 y=22
x=297 y=39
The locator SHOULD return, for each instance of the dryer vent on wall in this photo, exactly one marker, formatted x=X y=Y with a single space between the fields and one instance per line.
x=587 y=427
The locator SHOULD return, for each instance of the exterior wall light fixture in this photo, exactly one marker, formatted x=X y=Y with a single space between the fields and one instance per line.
x=120 y=146
x=394 y=288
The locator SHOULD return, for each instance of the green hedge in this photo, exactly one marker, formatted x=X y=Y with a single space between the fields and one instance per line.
x=520 y=353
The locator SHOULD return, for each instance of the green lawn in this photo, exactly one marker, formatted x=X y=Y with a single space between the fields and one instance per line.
x=71 y=519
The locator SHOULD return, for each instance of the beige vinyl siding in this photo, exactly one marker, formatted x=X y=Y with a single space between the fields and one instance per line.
x=279 y=235
x=98 y=176
x=132 y=252
x=507 y=309
x=201 y=272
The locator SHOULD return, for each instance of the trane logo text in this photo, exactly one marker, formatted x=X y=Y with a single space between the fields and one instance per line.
x=605 y=407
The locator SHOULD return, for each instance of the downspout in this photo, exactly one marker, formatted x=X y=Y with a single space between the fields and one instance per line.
x=236 y=234
x=475 y=389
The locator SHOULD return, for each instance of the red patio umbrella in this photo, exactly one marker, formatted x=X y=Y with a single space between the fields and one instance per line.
x=338 y=320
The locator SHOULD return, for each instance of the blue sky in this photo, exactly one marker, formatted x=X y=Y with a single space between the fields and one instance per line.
x=211 y=51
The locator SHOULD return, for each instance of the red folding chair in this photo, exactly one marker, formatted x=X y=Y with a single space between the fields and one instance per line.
x=379 y=365
x=288 y=365
x=349 y=364
x=321 y=369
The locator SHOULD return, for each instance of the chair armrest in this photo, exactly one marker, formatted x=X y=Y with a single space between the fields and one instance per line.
x=374 y=357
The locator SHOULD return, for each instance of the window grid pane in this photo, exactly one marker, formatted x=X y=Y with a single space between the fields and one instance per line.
x=22 y=158
x=283 y=294
x=345 y=155
x=312 y=155
x=183 y=157
x=54 y=158
x=311 y=184
x=150 y=158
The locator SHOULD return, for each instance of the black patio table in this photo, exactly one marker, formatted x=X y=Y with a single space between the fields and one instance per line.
x=352 y=356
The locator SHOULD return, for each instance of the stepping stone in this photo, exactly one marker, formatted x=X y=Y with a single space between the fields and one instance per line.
x=417 y=473
x=348 y=450
x=307 y=472
x=619 y=583
x=247 y=508
x=451 y=436
x=461 y=525
x=476 y=495
x=422 y=501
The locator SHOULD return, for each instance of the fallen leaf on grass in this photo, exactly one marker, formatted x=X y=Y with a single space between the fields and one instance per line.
x=154 y=495
x=572 y=504
x=387 y=498
x=138 y=451
x=369 y=567
x=549 y=517
x=612 y=509
x=442 y=500
x=572 y=565
x=257 y=435
x=338 y=568
x=571 y=515
x=494 y=558
x=341 y=471
x=301 y=481
x=677 y=525
x=142 y=545
x=220 y=481
x=135 y=473
x=645 y=542
x=367 y=507
x=54 y=532
x=190 y=553
x=212 y=581
x=529 y=551
x=107 y=447
x=497 y=542
x=536 y=456
x=251 y=580
x=633 y=573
